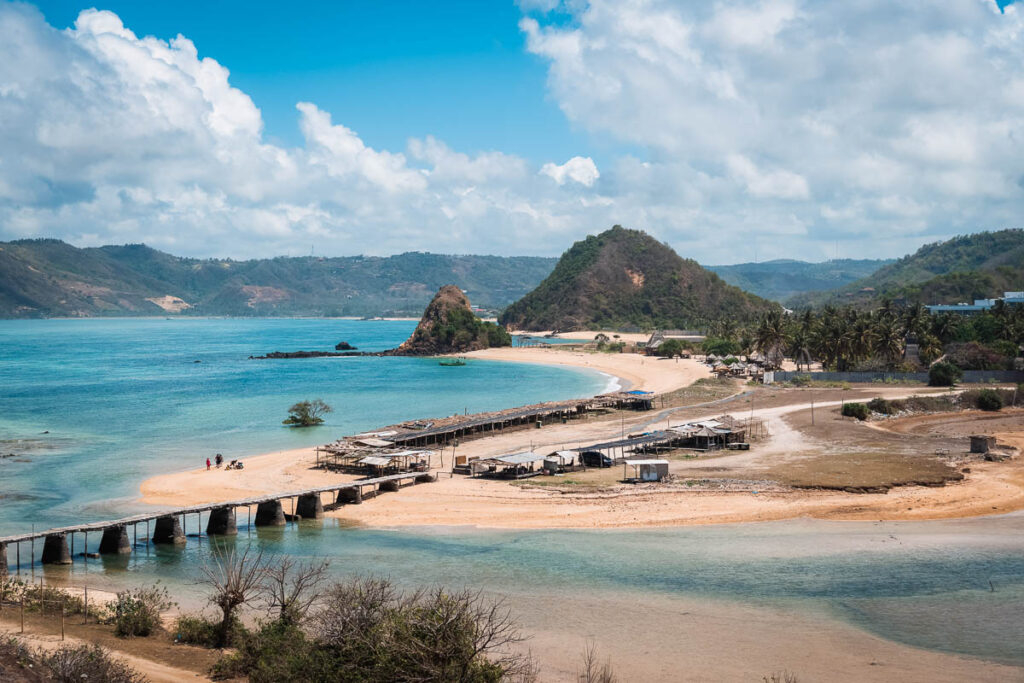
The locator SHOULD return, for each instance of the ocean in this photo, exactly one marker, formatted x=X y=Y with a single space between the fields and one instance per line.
x=90 y=408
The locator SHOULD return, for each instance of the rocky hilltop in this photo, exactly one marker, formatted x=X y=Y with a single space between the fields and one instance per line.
x=625 y=278
x=450 y=326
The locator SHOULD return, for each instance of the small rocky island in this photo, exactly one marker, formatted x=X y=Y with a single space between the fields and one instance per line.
x=450 y=326
x=447 y=326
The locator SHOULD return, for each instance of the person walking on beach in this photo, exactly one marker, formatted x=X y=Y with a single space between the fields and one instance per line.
x=207 y=463
x=219 y=460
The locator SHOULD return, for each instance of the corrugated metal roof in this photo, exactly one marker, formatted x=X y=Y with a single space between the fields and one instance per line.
x=523 y=458
x=375 y=443
x=375 y=460
x=646 y=462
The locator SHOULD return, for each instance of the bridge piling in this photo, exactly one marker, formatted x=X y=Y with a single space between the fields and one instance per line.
x=55 y=549
x=3 y=559
x=168 y=531
x=310 y=506
x=390 y=486
x=115 y=541
x=353 y=495
x=270 y=513
x=222 y=522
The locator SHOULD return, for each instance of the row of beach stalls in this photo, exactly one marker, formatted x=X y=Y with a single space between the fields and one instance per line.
x=724 y=432
x=372 y=456
x=404 y=448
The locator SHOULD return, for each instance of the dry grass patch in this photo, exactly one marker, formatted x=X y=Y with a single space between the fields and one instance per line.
x=863 y=472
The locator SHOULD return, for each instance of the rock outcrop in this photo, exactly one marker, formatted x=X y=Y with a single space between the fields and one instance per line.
x=450 y=326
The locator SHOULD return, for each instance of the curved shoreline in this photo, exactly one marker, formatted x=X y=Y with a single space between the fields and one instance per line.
x=291 y=469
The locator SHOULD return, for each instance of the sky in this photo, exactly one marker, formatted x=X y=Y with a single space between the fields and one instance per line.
x=747 y=130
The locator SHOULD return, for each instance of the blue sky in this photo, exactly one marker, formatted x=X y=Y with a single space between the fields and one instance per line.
x=782 y=128
x=390 y=70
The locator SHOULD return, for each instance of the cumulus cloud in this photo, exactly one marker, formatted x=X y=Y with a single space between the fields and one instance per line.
x=780 y=125
x=111 y=137
x=868 y=119
x=582 y=170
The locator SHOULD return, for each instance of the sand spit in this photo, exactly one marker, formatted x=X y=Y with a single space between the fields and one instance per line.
x=733 y=488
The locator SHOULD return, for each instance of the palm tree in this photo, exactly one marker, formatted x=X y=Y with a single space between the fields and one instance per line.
x=771 y=337
x=888 y=338
x=915 y=319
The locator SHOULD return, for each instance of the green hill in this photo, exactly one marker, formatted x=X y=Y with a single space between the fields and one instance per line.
x=783 y=278
x=964 y=268
x=48 y=278
x=624 y=279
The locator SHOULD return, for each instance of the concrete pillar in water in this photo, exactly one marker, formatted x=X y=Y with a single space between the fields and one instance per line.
x=270 y=513
x=222 y=522
x=353 y=495
x=389 y=485
x=168 y=530
x=115 y=541
x=55 y=550
x=310 y=506
x=3 y=559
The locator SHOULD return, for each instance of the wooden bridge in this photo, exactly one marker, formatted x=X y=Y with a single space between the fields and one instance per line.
x=170 y=525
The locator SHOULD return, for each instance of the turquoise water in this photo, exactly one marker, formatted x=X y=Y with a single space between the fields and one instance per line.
x=124 y=399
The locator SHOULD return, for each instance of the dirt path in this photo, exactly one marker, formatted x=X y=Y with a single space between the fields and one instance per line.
x=156 y=672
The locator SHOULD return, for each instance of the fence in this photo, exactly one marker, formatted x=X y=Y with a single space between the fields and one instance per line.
x=35 y=598
x=970 y=376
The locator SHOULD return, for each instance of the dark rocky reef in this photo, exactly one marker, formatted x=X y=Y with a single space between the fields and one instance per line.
x=274 y=355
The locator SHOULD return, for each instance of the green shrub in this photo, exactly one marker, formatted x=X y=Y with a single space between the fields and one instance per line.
x=720 y=347
x=943 y=374
x=196 y=629
x=857 y=410
x=136 y=612
x=881 y=406
x=801 y=380
x=989 y=400
x=671 y=348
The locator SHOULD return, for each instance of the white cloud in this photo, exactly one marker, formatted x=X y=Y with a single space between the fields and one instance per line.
x=582 y=170
x=780 y=184
x=780 y=125
x=860 y=119
x=111 y=137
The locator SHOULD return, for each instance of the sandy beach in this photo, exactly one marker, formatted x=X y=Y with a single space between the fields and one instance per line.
x=637 y=372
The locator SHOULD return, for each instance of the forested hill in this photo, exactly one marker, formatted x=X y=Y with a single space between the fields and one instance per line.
x=626 y=278
x=965 y=268
x=783 y=278
x=49 y=278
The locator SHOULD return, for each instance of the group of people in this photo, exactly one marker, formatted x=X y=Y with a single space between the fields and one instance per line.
x=219 y=460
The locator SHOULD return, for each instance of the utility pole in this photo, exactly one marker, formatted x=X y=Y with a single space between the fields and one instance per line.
x=812 y=410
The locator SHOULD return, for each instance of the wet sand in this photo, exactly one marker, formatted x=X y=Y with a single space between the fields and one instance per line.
x=658 y=638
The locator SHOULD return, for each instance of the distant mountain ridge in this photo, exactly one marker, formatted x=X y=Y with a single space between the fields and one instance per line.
x=625 y=278
x=783 y=278
x=964 y=268
x=50 y=278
